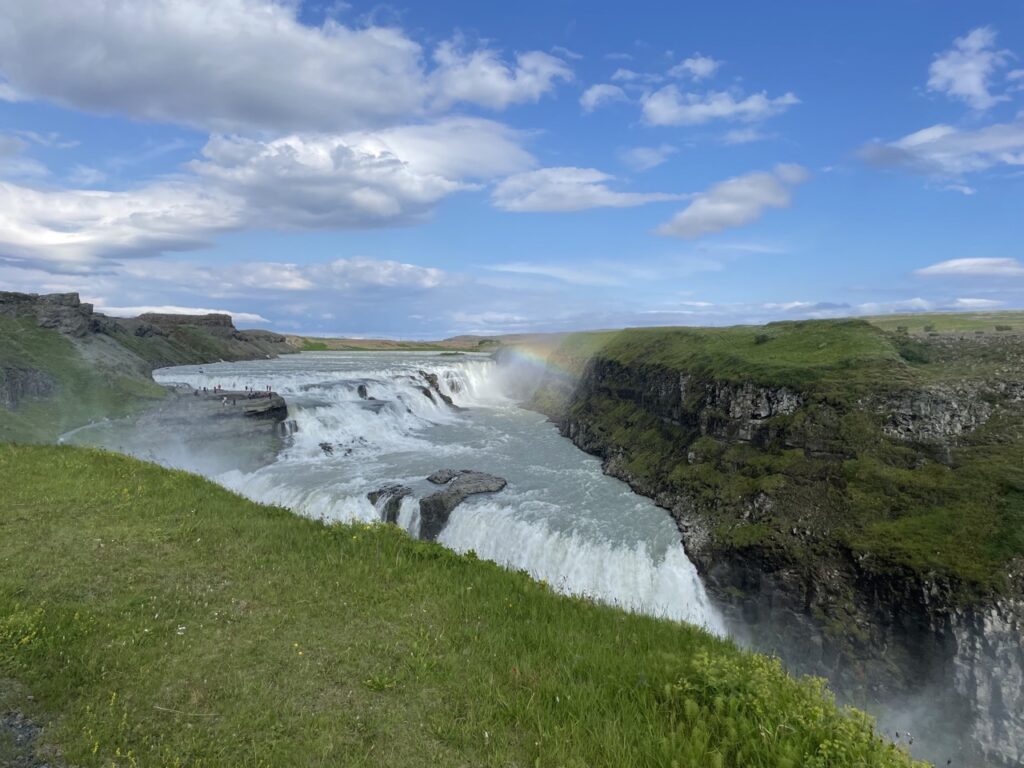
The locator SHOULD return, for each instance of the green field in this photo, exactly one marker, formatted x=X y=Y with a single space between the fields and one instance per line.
x=950 y=322
x=157 y=619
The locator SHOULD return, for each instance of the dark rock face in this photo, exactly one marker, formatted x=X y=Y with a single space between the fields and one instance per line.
x=388 y=501
x=18 y=383
x=363 y=392
x=61 y=311
x=434 y=388
x=461 y=483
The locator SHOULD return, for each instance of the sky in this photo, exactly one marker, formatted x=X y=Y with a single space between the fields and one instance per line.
x=423 y=170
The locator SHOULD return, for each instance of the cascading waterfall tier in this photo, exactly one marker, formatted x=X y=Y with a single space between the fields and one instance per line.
x=362 y=421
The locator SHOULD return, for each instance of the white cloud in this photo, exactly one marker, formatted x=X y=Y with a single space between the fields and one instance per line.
x=964 y=71
x=170 y=309
x=743 y=136
x=566 y=189
x=670 y=106
x=572 y=275
x=645 y=158
x=360 y=272
x=454 y=147
x=975 y=267
x=14 y=164
x=947 y=151
x=977 y=303
x=696 y=67
x=622 y=75
x=599 y=95
x=243 y=65
x=86 y=176
x=736 y=202
x=481 y=77
x=75 y=229
x=566 y=53
x=395 y=176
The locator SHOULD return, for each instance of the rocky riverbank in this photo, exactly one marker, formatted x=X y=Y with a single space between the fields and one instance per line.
x=856 y=517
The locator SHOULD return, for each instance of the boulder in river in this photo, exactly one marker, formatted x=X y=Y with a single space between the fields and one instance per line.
x=461 y=483
x=388 y=501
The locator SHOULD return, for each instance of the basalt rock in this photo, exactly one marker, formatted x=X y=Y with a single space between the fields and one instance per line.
x=436 y=508
x=388 y=501
x=16 y=384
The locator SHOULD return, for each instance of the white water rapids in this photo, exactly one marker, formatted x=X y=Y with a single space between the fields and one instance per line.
x=560 y=519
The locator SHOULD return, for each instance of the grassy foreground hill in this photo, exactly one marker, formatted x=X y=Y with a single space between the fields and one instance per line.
x=149 y=617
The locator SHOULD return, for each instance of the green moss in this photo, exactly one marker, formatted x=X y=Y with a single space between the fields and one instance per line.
x=188 y=626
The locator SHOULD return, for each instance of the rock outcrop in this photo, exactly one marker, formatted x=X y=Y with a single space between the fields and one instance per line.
x=436 y=508
x=17 y=384
x=63 y=312
x=388 y=501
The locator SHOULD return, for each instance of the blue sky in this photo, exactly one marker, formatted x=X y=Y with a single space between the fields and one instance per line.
x=462 y=167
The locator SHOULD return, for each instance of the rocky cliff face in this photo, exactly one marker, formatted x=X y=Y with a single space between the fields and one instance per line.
x=61 y=311
x=769 y=551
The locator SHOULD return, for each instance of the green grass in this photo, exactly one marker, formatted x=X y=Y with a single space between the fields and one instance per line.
x=85 y=391
x=160 y=620
x=838 y=358
x=951 y=322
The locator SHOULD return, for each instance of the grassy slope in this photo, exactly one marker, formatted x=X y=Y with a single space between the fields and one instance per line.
x=887 y=500
x=85 y=391
x=187 y=626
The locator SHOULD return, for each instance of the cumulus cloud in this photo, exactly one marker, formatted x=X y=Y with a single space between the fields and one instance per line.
x=696 y=67
x=75 y=229
x=975 y=267
x=670 y=106
x=645 y=158
x=309 y=181
x=947 y=151
x=598 y=95
x=964 y=72
x=736 y=202
x=243 y=65
x=481 y=77
x=622 y=75
x=566 y=189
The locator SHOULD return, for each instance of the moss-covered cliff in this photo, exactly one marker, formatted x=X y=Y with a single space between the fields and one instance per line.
x=854 y=496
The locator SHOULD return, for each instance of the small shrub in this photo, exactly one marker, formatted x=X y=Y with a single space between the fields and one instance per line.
x=1004 y=327
x=762 y=338
x=929 y=328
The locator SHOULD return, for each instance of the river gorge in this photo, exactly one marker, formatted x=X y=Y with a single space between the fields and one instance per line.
x=359 y=422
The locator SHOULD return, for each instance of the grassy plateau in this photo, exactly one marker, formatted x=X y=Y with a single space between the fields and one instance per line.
x=157 y=619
